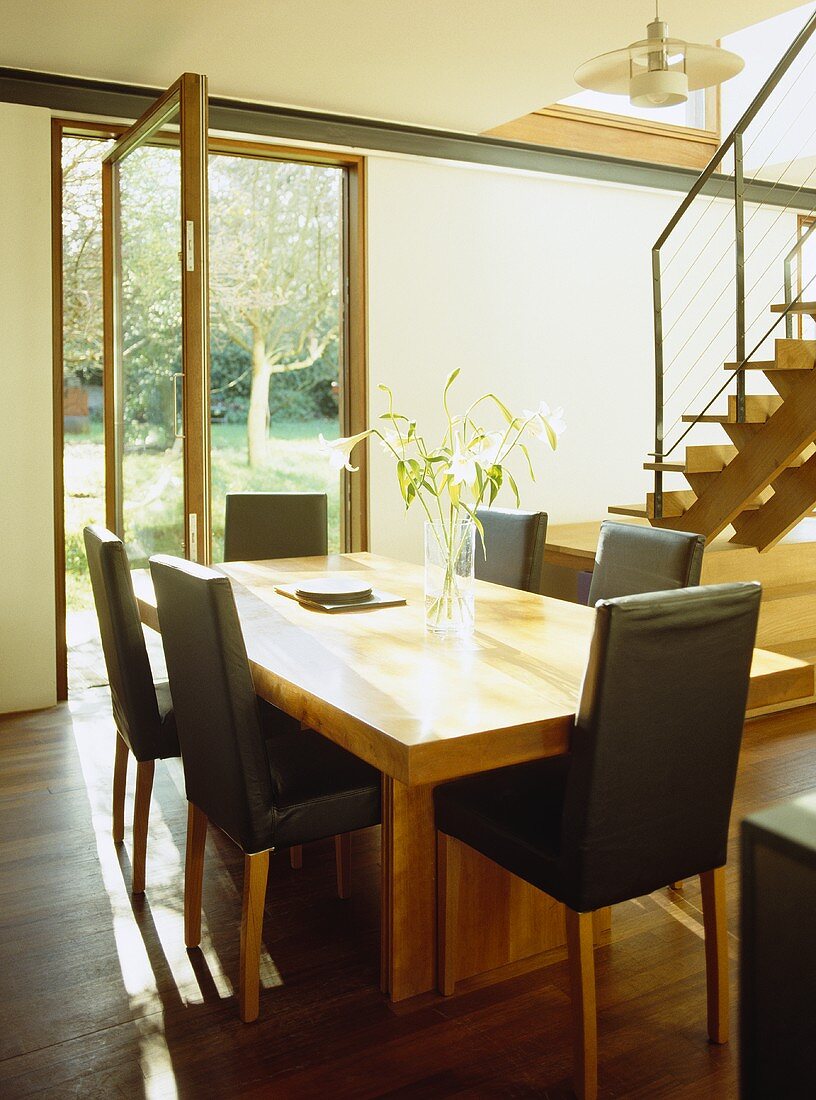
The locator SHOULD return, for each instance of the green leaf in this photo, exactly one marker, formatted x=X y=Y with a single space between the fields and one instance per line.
x=526 y=453
x=472 y=513
x=454 y=374
x=453 y=492
x=514 y=487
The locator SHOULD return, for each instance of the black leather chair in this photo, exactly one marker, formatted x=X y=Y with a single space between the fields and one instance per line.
x=142 y=710
x=264 y=788
x=513 y=547
x=258 y=526
x=642 y=799
x=632 y=559
x=275 y=525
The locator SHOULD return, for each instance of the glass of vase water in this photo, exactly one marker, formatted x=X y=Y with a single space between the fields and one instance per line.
x=449 y=602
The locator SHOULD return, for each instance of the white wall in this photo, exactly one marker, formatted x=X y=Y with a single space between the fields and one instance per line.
x=540 y=287
x=27 y=654
x=537 y=287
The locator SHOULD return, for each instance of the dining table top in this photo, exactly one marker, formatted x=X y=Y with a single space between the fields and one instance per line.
x=423 y=708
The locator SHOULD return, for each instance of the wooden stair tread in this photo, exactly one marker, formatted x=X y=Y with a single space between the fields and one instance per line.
x=636 y=510
x=758 y=364
x=797 y=307
x=759 y=408
x=666 y=467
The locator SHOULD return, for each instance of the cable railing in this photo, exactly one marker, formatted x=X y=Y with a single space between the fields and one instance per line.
x=739 y=225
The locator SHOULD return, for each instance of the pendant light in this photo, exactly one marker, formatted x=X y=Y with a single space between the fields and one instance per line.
x=658 y=71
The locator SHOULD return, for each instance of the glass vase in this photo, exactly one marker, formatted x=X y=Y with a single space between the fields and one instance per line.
x=449 y=607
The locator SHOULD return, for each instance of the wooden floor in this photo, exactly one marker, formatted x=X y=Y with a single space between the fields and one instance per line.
x=98 y=997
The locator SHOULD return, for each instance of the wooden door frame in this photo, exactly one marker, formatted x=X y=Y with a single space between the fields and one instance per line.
x=354 y=385
x=185 y=101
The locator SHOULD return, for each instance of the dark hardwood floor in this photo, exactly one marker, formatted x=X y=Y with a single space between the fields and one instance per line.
x=98 y=997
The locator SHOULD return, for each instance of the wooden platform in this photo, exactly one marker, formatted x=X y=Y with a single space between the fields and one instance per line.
x=787 y=572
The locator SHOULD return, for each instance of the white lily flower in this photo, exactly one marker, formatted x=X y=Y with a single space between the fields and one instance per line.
x=547 y=424
x=389 y=439
x=488 y=452
x=338 y=451
x=462 y=466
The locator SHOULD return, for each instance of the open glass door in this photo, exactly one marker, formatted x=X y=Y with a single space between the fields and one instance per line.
x=156 y=328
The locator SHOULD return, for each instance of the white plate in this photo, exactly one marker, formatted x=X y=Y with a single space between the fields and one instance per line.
x=333 y=588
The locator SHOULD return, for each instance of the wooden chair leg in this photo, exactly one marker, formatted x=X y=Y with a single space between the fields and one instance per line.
x=447 y=908
x=584 y=1012
x=342 y=857
x=119 y=782
x=194 y=873
x=256 y=868
x=141 y=817
x=296 y=857
x=712 y=884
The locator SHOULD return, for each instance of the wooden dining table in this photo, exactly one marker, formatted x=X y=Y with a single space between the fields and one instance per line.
x=424 y=709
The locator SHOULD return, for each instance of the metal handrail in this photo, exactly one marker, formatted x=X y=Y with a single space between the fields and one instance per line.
x=747 y=117
x=732 y=141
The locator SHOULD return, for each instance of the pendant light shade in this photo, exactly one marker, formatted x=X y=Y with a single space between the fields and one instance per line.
x=659 y=71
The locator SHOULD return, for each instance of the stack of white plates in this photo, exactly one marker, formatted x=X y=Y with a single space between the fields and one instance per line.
x=333 y=590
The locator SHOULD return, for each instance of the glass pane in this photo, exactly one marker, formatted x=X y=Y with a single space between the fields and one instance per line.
x=276 y=331
x=150 y=341
x=84 y=447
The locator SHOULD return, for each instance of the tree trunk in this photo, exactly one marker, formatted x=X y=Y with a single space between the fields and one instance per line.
x=258 y=416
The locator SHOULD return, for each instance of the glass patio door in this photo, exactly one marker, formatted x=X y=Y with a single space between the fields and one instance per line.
x=156 y=328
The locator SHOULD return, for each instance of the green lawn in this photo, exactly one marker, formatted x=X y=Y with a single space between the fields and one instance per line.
x=293 y=464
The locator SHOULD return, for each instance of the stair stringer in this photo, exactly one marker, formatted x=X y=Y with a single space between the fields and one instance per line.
x=792 y=500
x=768 y=450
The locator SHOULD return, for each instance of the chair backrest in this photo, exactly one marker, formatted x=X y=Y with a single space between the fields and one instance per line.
x=513 y=547
x=219 y=730
x=656 y=741
x=133 y=695
x=632 y=559
x=275 y=525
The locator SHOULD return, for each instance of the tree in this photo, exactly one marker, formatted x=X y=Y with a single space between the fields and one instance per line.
x=82 y=260
x=274 y=278
x=274 y=270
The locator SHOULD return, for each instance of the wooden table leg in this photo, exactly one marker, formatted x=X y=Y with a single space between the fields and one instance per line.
x=409 y=890
x=500 y=920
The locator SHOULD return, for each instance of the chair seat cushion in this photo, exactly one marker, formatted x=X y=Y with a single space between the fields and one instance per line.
x=319 y=789
x=168 y=736
x=511 y=815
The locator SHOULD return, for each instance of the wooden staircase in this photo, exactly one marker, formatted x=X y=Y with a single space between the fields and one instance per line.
x=762 y=483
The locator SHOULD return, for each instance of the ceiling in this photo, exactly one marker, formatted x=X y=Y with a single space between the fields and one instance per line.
x=465 y=65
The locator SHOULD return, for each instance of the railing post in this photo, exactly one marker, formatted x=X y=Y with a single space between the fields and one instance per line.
x=739 y=228
x=788 y=296
x=657 y=296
